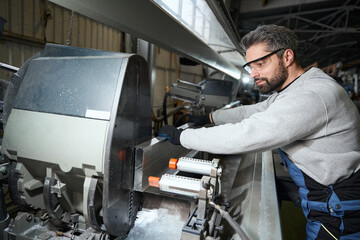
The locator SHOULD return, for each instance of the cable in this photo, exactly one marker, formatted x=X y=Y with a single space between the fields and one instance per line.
x=164 y=108
x=329 y=232
x=68 y=41
x=230 y=220
x=3 y=213
x=180 y=119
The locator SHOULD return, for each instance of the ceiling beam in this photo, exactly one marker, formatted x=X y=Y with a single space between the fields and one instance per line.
x=314 y=22
x=341 y=8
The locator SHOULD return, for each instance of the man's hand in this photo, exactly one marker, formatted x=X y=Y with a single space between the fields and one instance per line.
x=171 y=133
x=199 y=120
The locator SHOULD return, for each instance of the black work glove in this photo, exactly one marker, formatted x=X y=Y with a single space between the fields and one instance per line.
x=171 y=133
x=199 y=120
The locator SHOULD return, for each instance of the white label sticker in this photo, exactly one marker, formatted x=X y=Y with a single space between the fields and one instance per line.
x=97 y=114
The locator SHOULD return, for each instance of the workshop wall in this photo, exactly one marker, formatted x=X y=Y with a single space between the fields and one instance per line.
x=32 y=23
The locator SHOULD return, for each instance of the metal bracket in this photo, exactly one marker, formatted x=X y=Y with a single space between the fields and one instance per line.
x=90 y=211
x=51 y=201
x=58 y=188
x=194 y=228
x=4 y=170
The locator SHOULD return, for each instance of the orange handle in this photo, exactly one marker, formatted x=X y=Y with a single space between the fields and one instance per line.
x=172 y=163
x=154 y=181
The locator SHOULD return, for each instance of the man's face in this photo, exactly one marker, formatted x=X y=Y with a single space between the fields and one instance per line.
x=269 y=72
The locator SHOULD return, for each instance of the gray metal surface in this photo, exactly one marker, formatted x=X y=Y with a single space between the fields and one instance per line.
x=212 y=93
x=9 y=67
x=152 y=159
x=146 y=20
x=270 y=217
x=253 y=198
x=92 y=92
x=130 y=125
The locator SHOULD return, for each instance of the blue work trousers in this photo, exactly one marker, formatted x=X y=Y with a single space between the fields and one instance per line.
x=332 y=212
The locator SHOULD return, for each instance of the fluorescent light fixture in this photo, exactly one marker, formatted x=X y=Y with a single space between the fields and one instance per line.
x=246 y=80
x=198 y=18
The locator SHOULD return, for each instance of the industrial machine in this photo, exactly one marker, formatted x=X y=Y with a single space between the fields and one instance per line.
x=76 y=116
x=80 y=162
x=210 y=93
x=77 y=149
x=201 y=98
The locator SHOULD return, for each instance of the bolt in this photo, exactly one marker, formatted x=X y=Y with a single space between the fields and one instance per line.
x=205 y=185
x=220 y=228
x=219 y=171
x=226 y=204
x=3 y=170
x=29 y=218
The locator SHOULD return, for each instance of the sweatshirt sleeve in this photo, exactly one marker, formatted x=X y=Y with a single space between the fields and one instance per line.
x=235 y=115
x=288 y=119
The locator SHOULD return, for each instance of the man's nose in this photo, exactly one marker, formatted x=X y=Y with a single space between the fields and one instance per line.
x=254 y=73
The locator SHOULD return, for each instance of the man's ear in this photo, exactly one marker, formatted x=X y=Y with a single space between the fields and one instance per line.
x=289 y=57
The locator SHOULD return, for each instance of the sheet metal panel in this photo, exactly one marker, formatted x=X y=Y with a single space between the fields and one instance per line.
x=56 y=139
x=152 y=159
x=144 y=19
x=254 y=199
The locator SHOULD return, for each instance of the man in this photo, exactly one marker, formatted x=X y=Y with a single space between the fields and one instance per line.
x=312 y=121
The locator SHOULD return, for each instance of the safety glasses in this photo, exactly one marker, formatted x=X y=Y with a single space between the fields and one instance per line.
x=260 y=63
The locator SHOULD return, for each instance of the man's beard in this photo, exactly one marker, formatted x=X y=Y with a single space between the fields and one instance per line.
x=276 y=82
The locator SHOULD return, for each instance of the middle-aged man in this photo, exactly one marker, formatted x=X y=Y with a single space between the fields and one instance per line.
x=309 y=117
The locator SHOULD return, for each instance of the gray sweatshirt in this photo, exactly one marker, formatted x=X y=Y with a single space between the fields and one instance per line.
x=313 y=121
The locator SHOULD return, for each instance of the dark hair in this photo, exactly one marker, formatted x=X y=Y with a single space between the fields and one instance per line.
x=275 y=37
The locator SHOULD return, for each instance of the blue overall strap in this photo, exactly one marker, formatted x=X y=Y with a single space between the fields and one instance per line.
x=345 y=202
x=337 y=206
x=299 y=180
